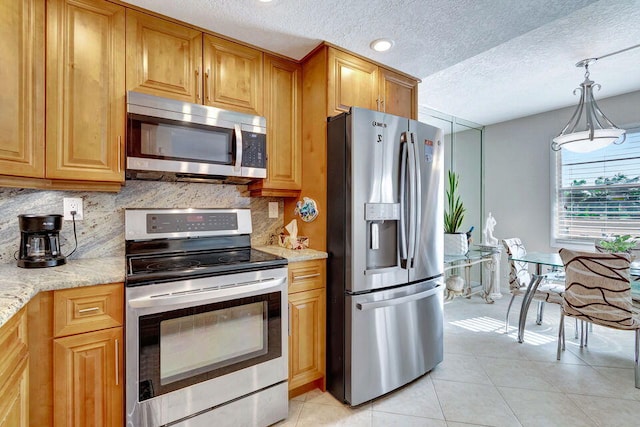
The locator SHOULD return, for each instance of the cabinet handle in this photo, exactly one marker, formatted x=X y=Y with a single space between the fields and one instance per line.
x=198 y=84
x=382 y=106
x=117 y=362
x=378 y=104
x=207 y=86
x=86 y=310
x=306 y=276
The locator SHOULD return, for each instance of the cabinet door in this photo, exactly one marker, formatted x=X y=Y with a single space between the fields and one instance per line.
x=14 y=372
x=398 y=94
x=14 y=398
x=88 y=379
x=85 y=90
x=232 y=76
x=307 y=340
x=22 y=94
x=283 y=110
x=353 y=82
x=163 y=58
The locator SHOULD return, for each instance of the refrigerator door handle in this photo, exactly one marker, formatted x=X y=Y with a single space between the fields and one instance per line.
x=412 y=200
x=418 y=202
x=403 y=201
x=397 y=301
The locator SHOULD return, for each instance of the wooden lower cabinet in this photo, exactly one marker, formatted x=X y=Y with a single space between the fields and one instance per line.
x=76 y=357
x=88 y=356
x=14 y=372
x=14 y=398
x=307 y=311
x=88 y=379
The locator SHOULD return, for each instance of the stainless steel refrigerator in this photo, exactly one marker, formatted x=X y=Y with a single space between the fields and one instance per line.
x=385 y=245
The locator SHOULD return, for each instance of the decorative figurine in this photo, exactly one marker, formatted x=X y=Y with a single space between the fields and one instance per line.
x=487 y=233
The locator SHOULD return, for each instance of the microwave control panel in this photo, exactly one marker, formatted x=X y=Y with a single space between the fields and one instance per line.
x=254 y=150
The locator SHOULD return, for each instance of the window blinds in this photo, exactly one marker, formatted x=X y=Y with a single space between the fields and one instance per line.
x=598 y=193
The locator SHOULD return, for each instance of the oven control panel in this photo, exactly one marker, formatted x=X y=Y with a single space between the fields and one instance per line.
x=143 y=224
x=177 y=223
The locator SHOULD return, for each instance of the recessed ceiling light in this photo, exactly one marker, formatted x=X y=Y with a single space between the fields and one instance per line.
x=381 y=45
x=265 y=1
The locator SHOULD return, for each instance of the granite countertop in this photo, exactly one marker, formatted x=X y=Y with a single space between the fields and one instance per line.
x=293 y=255
x=19 y=285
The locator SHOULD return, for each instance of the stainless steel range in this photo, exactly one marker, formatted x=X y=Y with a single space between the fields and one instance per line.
x=207 y=321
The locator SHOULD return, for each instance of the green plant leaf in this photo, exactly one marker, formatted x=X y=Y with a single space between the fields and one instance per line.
x=454 y=212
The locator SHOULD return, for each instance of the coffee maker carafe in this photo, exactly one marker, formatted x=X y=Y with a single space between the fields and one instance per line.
x=40 y=241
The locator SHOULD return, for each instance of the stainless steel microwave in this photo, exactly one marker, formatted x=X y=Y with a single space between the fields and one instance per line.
x=176 y=138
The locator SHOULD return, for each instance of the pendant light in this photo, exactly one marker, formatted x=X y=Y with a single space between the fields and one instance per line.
x=588 y=129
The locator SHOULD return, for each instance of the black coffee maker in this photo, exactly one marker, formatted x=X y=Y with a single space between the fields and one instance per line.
x=40 y=241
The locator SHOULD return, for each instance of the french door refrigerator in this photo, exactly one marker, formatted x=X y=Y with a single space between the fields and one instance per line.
x=385 y=245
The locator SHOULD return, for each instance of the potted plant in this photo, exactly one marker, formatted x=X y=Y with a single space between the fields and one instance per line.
x=455 y=242
x=618 y=244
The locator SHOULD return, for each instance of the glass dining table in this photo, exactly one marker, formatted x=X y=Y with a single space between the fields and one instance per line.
x=553 y=261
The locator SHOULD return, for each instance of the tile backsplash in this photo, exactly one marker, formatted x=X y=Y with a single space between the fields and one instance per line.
x=101 y=232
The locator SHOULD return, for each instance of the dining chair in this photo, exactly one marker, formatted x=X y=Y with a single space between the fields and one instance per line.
x=550 y=289
x=598 y=291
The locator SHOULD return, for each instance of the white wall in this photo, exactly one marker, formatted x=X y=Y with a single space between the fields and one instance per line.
x=517 y=169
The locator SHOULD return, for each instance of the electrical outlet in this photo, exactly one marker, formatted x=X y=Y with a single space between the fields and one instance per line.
x=73 y=204
x=273 y=209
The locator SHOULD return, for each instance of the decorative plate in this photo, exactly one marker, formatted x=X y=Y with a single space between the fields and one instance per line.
x=307 y=209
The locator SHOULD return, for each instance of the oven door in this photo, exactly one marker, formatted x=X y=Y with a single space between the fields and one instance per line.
x=196 y=344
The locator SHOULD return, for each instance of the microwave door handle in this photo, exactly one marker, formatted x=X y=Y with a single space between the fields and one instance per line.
x=403 y=201
x=238 y=131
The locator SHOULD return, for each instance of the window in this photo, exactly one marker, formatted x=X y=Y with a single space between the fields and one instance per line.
x=597 y=194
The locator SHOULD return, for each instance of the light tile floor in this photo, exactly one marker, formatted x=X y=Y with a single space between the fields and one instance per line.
x=488 y=379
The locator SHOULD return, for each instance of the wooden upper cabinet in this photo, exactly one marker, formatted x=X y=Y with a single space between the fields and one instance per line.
x=85 y=90
x=353 y=82
x=232 y=75
x=22 y=94
x=163 y=58
x=283 y=110
x=399 y=94
x=175 y=61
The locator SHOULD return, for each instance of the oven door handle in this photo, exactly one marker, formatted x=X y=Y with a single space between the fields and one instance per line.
x=203 y=295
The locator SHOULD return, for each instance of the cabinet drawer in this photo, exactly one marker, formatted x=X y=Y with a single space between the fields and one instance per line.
x=306 y=275
x=87 y=309
x=13 y=342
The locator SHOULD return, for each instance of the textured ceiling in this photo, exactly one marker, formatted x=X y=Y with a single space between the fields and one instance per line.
x=481 y=60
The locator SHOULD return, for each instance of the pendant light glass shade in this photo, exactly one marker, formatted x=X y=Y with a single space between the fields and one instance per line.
x=588 y=129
